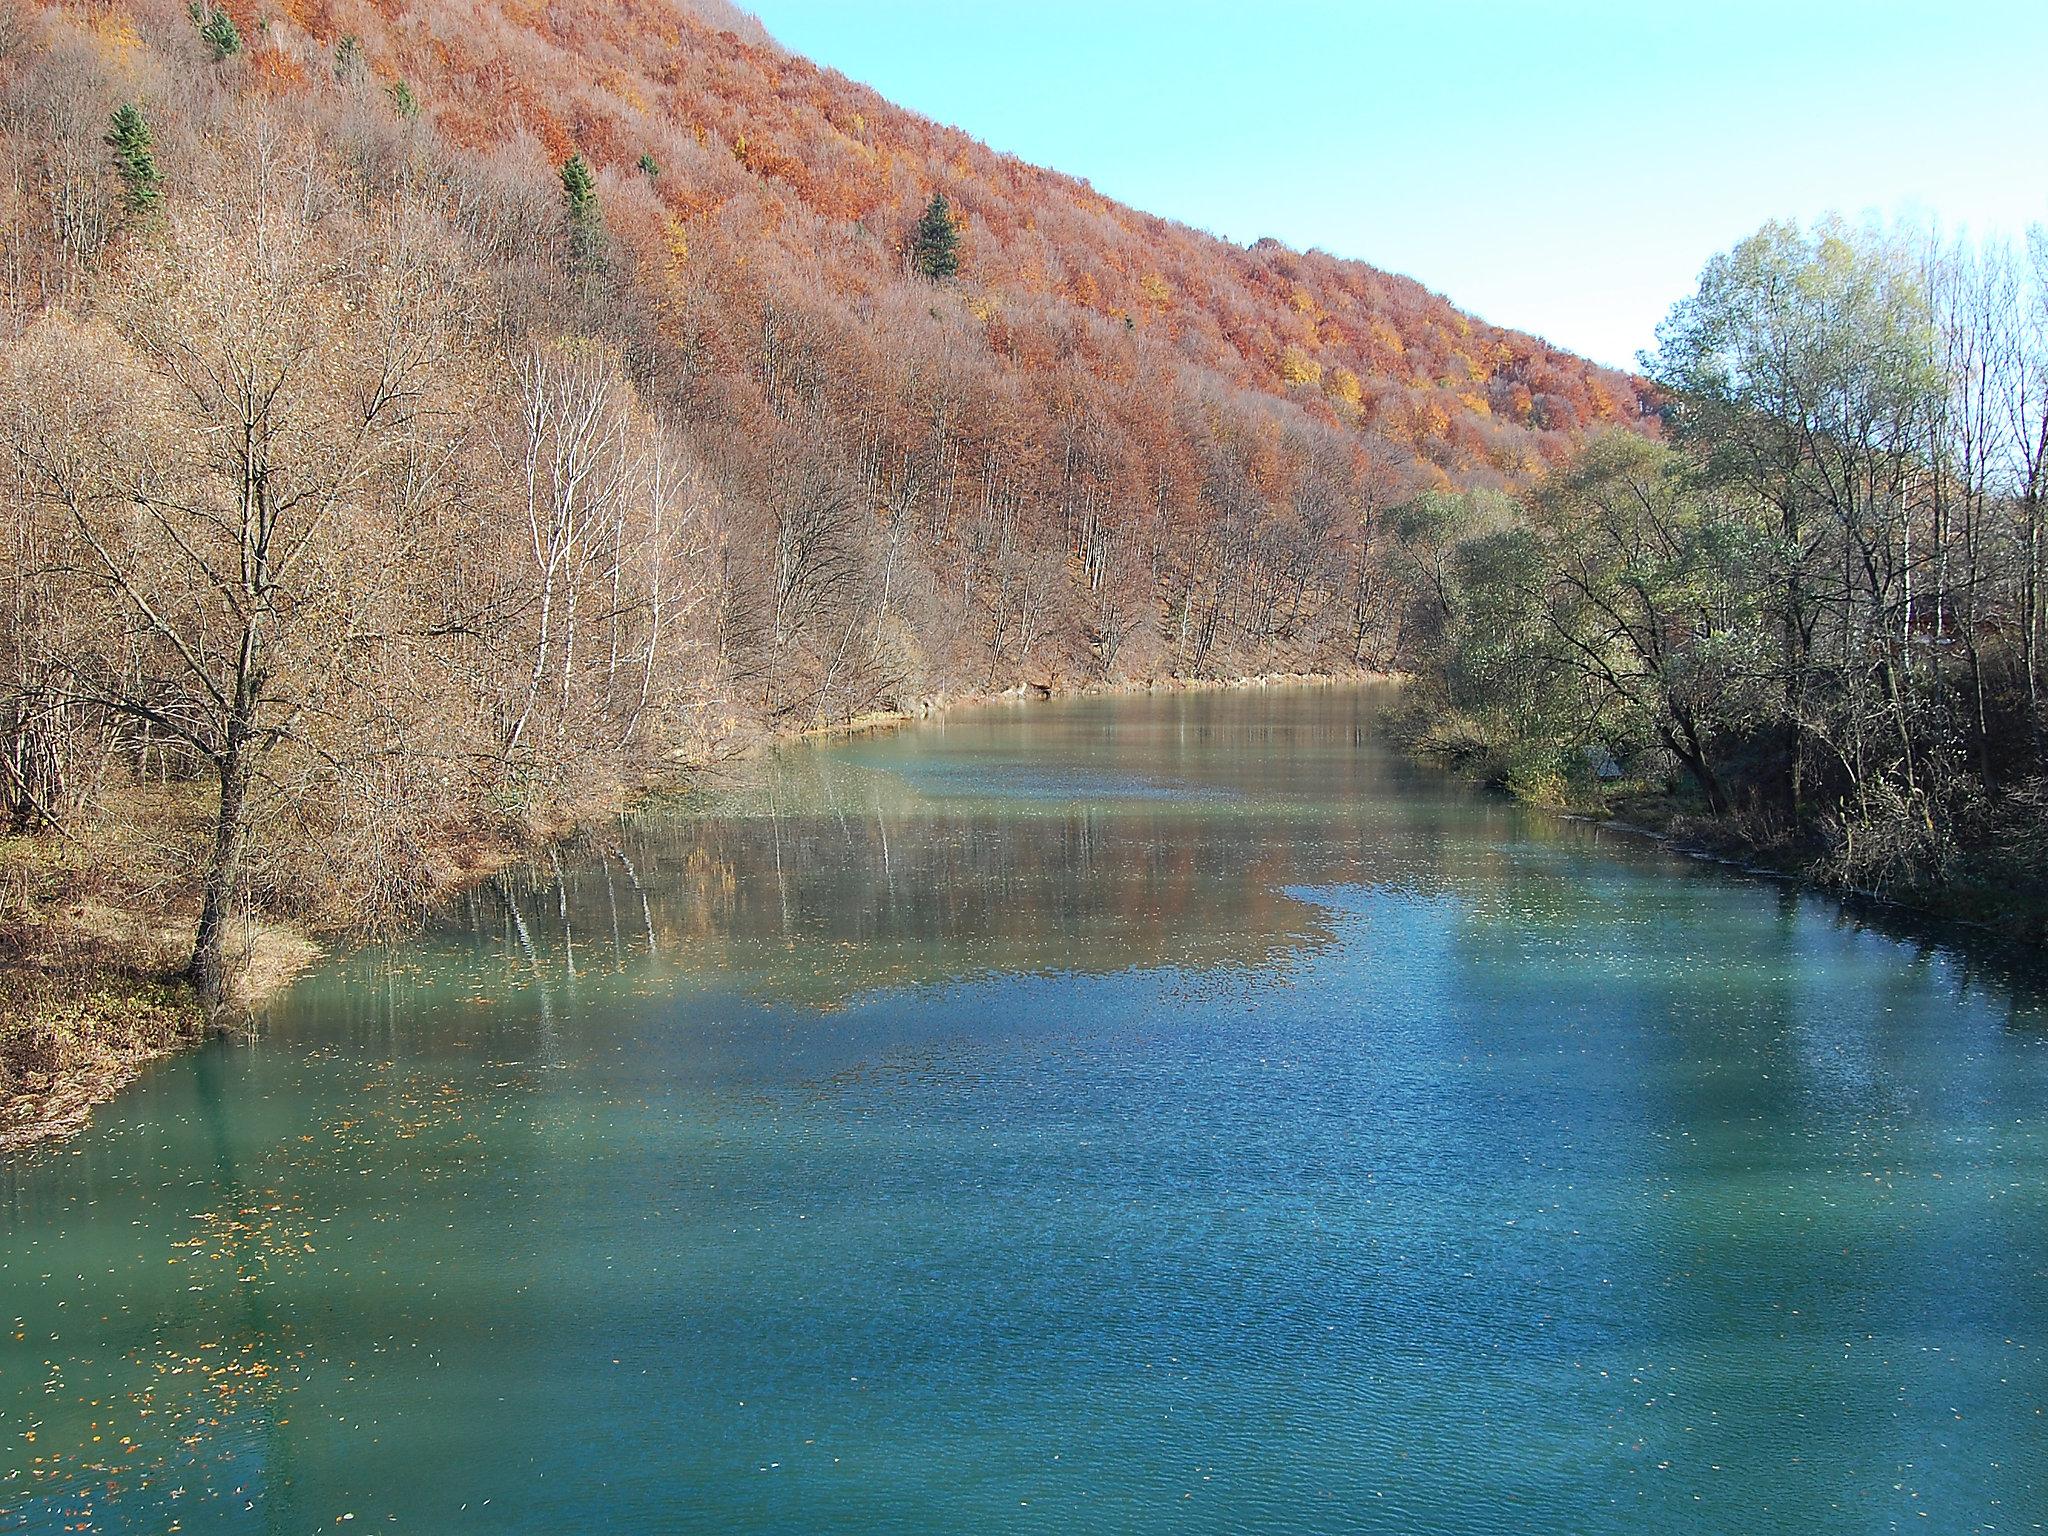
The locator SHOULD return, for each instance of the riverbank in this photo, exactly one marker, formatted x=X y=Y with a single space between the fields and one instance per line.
x=96 y=926
x=2002 y=910
x=1990 y=899
x=938 y=704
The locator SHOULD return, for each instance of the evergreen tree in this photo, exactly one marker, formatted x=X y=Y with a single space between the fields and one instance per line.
x=218 y=29
x=403 y=102
x=649 y=167
x=935 y=246
x=134 y=150
x=348 y=58
x=586 y=220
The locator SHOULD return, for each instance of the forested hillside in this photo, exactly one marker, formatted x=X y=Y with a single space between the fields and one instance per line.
x=425 y=422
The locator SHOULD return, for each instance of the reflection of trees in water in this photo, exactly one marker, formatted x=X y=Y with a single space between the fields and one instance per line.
x=1094 y=837
x=818 y=907
x=1565 y=877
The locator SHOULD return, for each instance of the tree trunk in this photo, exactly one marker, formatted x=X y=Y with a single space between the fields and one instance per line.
x=208 y=970
x=1693 y=758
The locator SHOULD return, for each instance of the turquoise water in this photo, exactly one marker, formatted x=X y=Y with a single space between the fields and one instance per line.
x=1171 y=1114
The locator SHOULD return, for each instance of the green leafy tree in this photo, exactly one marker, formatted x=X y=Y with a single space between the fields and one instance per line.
x=134 y=150
x=217 y=28
x=1803 y=373
x=1656 y=587
x=649 y=167
x=348 y=58
x=586 y=219
x=1620 y=623
x=403 y=102
x=935 y=243
x=1429 y=530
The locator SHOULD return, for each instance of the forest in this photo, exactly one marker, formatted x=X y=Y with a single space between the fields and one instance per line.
x=1807 y=622
x=424 y=426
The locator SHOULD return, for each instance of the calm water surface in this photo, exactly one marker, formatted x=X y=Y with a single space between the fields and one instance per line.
x=1146 y=1115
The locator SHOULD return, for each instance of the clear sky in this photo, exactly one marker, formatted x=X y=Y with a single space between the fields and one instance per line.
x=1560 y=166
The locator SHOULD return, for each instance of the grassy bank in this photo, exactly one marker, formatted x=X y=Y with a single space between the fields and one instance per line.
x=94 y=927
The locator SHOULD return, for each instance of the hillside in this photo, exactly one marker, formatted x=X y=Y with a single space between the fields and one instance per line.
x=425 y=422
x=789 y=185
x=762 y=151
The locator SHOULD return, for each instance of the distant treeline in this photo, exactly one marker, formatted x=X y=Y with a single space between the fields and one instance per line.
x=1815 y=613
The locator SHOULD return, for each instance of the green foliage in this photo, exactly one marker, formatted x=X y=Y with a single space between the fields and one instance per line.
x=1781 y=616
x=1806 y=375
x=1621 y=620
x=403 y=102
x=216 y=28
x=580 y=207
x=1430 y=528
x=1801 y=354
x=935 y=243
x=134 y=150
x=348 y=58
x=649 y=166
x=579 y=189
x=1539 y=773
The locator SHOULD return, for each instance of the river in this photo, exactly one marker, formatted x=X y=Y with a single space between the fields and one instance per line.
x=1172 y=1113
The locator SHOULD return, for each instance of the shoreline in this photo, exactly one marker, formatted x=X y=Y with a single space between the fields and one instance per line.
x=875 y=721
x=130 y=1021
x=1945 y=915
x=1683 y=837
x=118 y=1025
x=131 y=1013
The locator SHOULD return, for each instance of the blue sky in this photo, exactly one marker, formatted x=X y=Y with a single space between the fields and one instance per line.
x=1561 y=167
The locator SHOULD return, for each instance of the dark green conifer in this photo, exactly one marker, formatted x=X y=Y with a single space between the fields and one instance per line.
x=134 y=150
x=935 y=244
x=579 y=204
x=217 y=28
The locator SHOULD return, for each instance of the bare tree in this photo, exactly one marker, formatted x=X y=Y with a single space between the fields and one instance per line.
x=216 y=447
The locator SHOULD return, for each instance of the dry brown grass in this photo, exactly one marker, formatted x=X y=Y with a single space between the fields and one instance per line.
x=94 y=928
